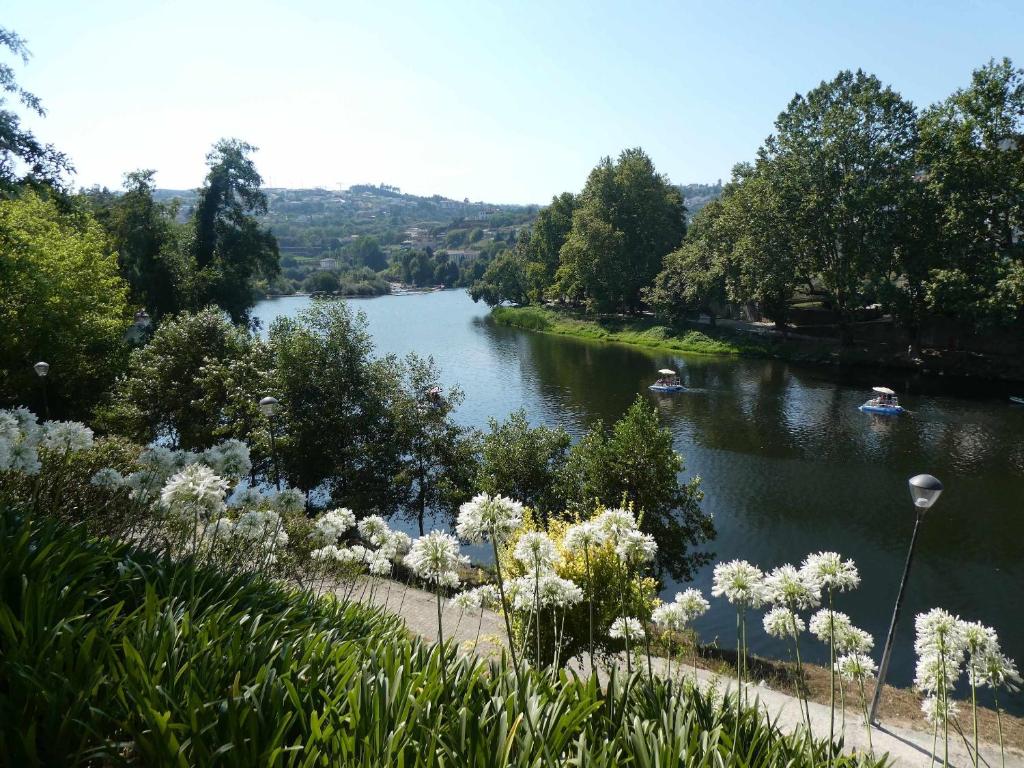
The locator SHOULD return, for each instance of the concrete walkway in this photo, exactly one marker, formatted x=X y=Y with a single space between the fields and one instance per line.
x=484 y=633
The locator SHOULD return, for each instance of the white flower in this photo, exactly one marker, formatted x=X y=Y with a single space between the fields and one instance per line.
x=10 y=429
x=486 y=517
x=436 y=558
x=669 y=616
x=979 y=640
x=143 y=484
x=329 y=553
x=246 y=497
x=230 y=458
x=290 y=501
x=379 y=564
x=159 y=460
x=488 y=596
x=467 y=600
x=220 y=529
x=626 y=628
x=692 y=603
x=933 y=710
x=634 y=547
x=740 y=582
x=195 y=492
x=831 y=571
x=826 y=625
x=782 y=622
x=66 y=436
x=107 y=478
x=397 y=545
x=937 y=672
x=374 y=529
x=262 y=528
x=792 y=588
x=581 y=536
x=556 y=592
x=536 y=551
x=855 y=667
x=939 y=631
x=23 y=457
x=999 y=671
x=854 y=640
x=615 y=522
x=332 y=525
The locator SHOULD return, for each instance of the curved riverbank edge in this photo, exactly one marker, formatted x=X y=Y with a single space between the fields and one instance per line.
x=711 y=340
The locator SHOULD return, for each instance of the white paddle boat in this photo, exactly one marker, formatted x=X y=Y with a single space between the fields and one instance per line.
x=669 y=382
x=884 y=402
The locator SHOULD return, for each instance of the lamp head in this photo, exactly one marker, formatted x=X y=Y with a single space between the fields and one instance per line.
x=41 y=368
x=268 y=405
x=142 y=320
x=924 y=490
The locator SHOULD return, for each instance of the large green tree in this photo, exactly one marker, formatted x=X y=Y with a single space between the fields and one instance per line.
x=972 y=162
x=626 y=219
x=231 y=248
x=840 y=162
x=62 y=302
x=635 y=463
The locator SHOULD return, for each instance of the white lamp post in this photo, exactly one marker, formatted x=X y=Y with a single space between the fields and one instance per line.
x=924 y=491
x=268 y=405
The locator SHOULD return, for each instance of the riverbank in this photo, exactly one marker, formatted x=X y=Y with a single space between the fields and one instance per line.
x=748 y=340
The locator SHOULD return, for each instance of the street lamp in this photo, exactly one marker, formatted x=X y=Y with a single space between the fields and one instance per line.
x=925 y=491
x=137 y=332
x=41 y=370
x=268 y=405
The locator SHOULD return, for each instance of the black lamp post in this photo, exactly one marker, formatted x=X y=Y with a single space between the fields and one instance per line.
x=268 y=405
x=41 y=370
x=924 y=490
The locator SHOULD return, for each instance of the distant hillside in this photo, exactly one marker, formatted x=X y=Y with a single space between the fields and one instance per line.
x=696 y=196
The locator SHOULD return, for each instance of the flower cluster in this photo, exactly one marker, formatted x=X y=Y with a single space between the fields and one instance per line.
x=229 y=459
x=583 y=536
x=741 y=583
x=855 y=667
x=20 y=435
x=436 y=558
x=783 y=623
x=195 y=493
x=487 y=518
x=536 y=552
x=793 y=588
x=332 y=525
x=830 y=571
x=687 y=606
x=626 y=628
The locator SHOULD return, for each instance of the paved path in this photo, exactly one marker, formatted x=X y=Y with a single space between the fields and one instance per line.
x=484 y=632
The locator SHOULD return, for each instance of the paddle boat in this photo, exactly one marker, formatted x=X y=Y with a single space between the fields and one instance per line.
x=1017 y=400
x=669 y=382
x=884 y=402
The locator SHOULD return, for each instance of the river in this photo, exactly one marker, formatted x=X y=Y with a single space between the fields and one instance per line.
x=787 y=463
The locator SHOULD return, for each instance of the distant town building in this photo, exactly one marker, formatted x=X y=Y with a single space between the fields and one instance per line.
x=461 y=257
x=329 y=264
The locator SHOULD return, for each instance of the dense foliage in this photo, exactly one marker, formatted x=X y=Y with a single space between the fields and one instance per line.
x=110 y=655
x=858 y=201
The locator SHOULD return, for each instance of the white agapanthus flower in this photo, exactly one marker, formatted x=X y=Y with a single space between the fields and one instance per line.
x=436 y=558
x=623 y=628
x=939 y=631
x=795 y=589
x=488 y=517
x=23 y=456
x=5 y=454
x=290 y=501
x=692 y=602
x=582 y=536
x=327 y=554
x=741 y=583
x=487 y=596
x=108 y=477
x=159 y=460
x=536 y=551
x=687 y=606
x=855 y=667
x=397 y=545
x=933 y=710
x=220 y=530
x=634 y=547
x=263 y=528
x=144 y=485
x=379 y=564
x=781 y=622
x=10 y=429
x=333 y=524
x=831 y=571
x=467 y=600
x=615 y=522
x=66 y=436
x=826 y=625
x=1000 y=671
x=937 y=672
x=854 y=640
x=669 y=616
x=229 y=459
x=556 y=592
x=195 y=492
x=979 y=641
x=246 y=497
x=374 y=530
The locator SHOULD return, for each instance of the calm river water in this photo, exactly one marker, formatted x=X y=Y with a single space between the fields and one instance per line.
x=787 y=463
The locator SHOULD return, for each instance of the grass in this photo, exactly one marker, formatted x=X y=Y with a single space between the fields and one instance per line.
x=646 y=332
x=110 y=656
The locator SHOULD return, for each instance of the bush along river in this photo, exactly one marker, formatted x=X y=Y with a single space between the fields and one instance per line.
x=788 y=464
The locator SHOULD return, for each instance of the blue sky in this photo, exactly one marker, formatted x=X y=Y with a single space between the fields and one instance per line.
x=504 y=101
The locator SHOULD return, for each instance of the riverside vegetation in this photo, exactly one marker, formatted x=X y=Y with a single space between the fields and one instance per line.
x=129 y=632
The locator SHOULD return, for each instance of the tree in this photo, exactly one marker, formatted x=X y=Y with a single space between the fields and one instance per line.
x=503 y=280
x=322 y=280
x=197 y=382
x=524 y=462
x=63 y=302
x=635 y=464
x=626 y=219
x=367 y=252
x=148 y=244
x=338 y=428
x=841 y=159
x=24 y=160
x=547 y=236
x=438 y=460
x=972 y=158
x=231 y=249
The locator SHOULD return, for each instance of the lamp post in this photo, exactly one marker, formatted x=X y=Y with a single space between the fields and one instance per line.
x=268 y=405
x=924 y=490
x=41 y=370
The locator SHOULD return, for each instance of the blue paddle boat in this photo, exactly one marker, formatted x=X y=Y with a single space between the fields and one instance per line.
x=884 y=403
x=1016 y=400
x=669 y=382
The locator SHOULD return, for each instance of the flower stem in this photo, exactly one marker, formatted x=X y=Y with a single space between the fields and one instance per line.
x=504 y=606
